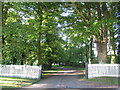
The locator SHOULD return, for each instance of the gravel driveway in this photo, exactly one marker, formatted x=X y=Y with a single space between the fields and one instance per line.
x=67 y=79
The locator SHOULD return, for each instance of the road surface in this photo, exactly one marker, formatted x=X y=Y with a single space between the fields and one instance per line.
x=67 y=79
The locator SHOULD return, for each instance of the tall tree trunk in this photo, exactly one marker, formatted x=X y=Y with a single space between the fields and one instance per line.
x=90 y=42
x=49 y=52
x=118 y=34
x=39 y=34
x=102 y=45
x=87 y=56
x=81 y=54
x=118 y=54
x=39 y=51
x=102 y=52
x=103 y=33
x=112 y=47
x=90 y=51
x=14 y=60
x=112 y=39
x=22 y=62
x=0 y=32
x=70 y=55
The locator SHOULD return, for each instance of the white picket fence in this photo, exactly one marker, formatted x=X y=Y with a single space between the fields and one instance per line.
x=23 y=71
x=99 y=70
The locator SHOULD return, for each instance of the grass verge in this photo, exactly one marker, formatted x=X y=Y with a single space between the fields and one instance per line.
x=13 y=82
x=105 y=80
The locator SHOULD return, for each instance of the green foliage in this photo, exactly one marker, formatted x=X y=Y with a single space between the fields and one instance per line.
x=105 y=80
x=12 y=82
x=37 y=29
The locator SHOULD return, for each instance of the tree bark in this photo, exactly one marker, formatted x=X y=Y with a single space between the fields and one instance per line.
x=87 y=56
x=90 y=51
x=112 y=47
x=102 y=45
x=102 y=52
x=103 y=33
x=39 y=34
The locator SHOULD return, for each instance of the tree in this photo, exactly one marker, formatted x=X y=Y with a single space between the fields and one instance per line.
x=118 y=33
x=33 y=39
x=38 y=33
x=95 y=16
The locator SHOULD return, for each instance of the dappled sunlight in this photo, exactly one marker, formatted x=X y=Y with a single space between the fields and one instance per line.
x=13 y=82
x=8 y=85
x=67 y=72
x=59 y=44
x=81 y=79
x=6 y=81
x=13 y=79
x=67 y=79
x=49 y=71
x=38 y=85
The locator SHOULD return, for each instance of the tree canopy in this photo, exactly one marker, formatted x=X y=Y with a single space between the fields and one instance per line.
x=64 y=33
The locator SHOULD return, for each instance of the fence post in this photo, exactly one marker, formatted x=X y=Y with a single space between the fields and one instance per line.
x=40 y=72
x=86 y=70
x=11 y=71
x=24 y=71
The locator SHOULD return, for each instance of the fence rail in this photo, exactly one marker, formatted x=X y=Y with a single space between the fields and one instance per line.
x=98 y=70
x=23 y=71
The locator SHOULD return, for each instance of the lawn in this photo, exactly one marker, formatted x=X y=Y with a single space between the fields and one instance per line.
x=105 y=80
x=13 y=82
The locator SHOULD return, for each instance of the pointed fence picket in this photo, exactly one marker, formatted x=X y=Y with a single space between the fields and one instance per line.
x=100 y=70
x=23 y=71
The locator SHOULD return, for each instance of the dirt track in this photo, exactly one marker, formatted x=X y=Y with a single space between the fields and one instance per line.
x=67 y=79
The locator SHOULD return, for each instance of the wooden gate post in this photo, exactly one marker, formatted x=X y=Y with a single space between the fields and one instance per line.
x=86 y=70
x=40 y=72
